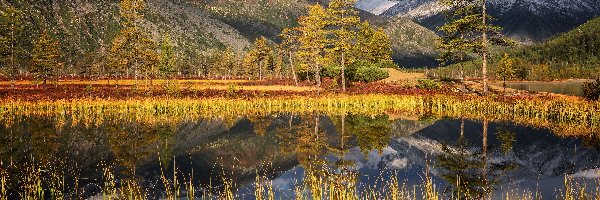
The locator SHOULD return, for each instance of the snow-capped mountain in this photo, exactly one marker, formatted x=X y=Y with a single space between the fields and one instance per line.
x=525 y=20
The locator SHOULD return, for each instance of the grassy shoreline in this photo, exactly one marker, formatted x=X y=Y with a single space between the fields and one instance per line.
x=557 y=113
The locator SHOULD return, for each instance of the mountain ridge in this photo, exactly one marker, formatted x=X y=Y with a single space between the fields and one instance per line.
x=524 y=20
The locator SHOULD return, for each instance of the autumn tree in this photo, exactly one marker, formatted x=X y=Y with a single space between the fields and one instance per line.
x=313 y=40
x=505 y=69
x=224 y=63
x=344 y=20
x=373 y=45
x=131 y=49
x=289 y=44
x=11 y=27
x=167 y=57
x=45 y=57
x=468 y=31
x=257 y=59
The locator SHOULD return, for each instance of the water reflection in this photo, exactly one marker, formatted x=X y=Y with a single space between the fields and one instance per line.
x=314 y=154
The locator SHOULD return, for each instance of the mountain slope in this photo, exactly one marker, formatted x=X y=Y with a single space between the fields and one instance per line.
x=575 y=54
x=524 y=20
x=88 y=26
x=85 y=28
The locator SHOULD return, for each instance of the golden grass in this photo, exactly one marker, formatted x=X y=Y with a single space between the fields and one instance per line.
x=573 y=117
x=402 y=78
x=317 y=183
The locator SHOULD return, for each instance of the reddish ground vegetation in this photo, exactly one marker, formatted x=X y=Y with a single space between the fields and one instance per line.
x=29 y=92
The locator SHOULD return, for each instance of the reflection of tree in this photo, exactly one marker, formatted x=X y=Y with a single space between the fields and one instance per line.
x=506 y=138
x=132 y=143
x=261 y=124
x=370 y=132
x=468 y=172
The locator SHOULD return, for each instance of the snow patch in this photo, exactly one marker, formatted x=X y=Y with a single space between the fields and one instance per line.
x=376 y=7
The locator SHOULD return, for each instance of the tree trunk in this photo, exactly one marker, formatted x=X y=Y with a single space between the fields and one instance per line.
x=484 y=67
x=260 y=70
x=343 y=73
x=318 y=75
x=293 y=69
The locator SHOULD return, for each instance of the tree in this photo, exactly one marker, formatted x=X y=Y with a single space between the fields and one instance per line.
x=372 y=45
x=467 y=31
x=11 y=27
x=344 y=20
x=258 y=57
x=131 y=49
x=313 y=40
x=224 y=63
x=167 y=57
x=505 y=69
x=289 y=43
x=45 y=57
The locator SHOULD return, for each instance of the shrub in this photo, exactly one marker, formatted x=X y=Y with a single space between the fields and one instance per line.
x=365 y=71
x=331 y=71
x=429 y=84
x=591 y=90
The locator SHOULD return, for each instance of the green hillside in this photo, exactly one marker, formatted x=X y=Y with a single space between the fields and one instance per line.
x=575 y=54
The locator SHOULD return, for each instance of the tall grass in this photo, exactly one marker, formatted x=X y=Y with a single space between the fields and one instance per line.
x=315 y=185
x=559 y=114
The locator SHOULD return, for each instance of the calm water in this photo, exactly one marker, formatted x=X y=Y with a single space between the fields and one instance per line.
x=568 y=88
x=284 y=148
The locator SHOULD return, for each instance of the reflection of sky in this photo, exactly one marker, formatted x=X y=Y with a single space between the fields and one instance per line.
x=283 y=186
x=376 y=168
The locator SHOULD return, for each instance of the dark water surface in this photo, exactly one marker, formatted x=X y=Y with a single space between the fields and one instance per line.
x=503 y=156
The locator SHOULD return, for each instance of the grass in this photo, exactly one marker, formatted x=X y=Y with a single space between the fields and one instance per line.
x=317 y=183
x=571 y=117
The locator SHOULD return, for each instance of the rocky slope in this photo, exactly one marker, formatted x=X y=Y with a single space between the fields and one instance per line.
x=525 y=20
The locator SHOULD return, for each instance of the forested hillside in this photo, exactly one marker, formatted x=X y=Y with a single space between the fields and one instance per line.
x=574 y=54
x=199 y=30
x=85 y=28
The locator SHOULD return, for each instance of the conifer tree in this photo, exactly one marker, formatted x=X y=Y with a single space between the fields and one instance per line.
x=289 y=43
x=257 y=59
x=505 y=69
x=225 y=63
x=11 y=27
x=468 y=31
x=131 y=49
x=167 y=57
x=45 y=57
x=313 y=39
x=372 y=45
x=344 y=20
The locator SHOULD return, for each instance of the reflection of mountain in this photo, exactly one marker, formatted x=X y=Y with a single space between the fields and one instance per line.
x=536 y=153
x=269 y=145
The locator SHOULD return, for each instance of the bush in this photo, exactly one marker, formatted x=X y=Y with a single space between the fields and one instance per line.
x=331 y=71
x=591 y=90
x=429 y=84
x=365 y=71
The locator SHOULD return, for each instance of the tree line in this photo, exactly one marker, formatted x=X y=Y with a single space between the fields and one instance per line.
x=329 y=42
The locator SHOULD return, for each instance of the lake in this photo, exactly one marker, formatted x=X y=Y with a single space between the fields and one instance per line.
x=294 y=154
x=573 y=88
